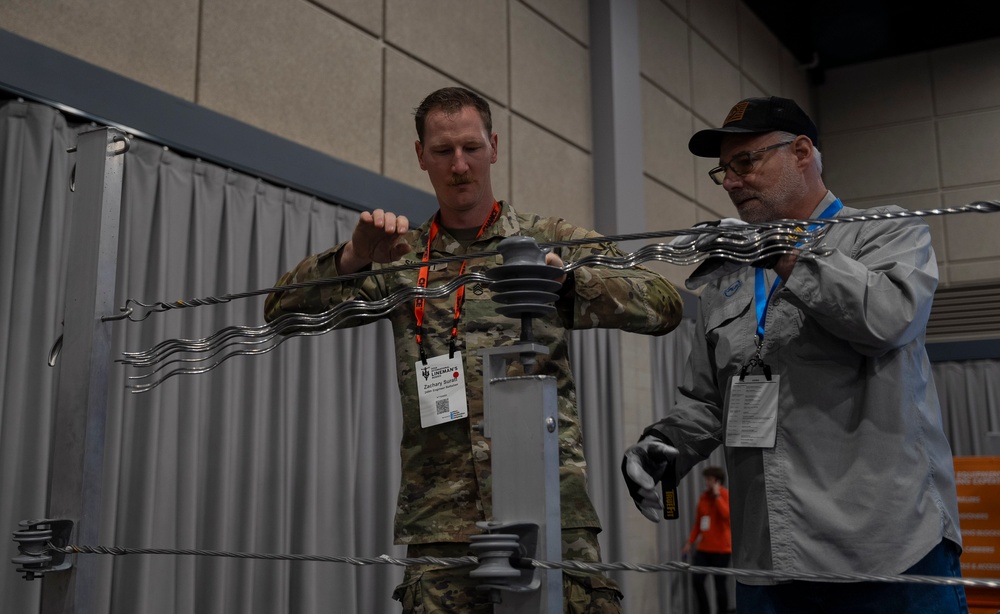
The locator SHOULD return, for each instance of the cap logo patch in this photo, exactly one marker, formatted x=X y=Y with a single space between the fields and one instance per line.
x=736 y=114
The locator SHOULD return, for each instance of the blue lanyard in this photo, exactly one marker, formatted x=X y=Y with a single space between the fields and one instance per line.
x=760 y=297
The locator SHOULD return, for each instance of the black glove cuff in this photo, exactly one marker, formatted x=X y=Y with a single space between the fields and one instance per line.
x=652 y=432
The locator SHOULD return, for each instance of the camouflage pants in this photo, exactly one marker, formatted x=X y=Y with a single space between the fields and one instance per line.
x=430 y=589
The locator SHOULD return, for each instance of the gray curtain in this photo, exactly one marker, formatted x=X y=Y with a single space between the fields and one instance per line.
x=34 y=173
x=970 y=405
x=291 y=452
x=295 y=451
x=595 y=356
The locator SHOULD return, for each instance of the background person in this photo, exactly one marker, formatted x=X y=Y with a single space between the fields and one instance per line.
x=711 y=538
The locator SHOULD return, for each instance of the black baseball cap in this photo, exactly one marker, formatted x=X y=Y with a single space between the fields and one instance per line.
x=754 y=116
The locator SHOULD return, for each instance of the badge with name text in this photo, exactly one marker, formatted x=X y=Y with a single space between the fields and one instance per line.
x=752 y=412
x=441 y=390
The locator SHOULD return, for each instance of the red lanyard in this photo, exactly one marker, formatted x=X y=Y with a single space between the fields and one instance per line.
x=418 y=304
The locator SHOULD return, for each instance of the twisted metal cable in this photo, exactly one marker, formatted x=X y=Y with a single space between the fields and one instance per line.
x=744 y=244
x=252 y=341
x=128 y=311
x=672 y=566
x=270 y=336
x=384 y=559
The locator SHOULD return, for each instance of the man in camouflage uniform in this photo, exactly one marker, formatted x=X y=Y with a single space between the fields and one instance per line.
x=446 y=486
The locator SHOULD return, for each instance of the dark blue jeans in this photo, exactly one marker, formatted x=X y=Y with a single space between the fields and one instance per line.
x=864 y=597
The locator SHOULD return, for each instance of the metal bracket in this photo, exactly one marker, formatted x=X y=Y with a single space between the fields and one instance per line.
x=40 y=543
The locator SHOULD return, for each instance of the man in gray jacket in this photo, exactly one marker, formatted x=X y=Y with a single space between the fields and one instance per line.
x=811 y=370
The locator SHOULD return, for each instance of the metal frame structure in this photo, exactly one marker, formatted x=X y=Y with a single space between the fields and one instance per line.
x=521 y=419
x=76 y=474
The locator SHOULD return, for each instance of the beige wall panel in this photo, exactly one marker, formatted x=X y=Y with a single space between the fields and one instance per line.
x=664 y=52
x=970 y=148
x=550 y=176
x=573 y=16
x=795 y=83
x=715 y=82
x=748 y=89
x=967 y=77
x=296 y=71
x=550 y=77
x=891 y=160
x=760 y=52
x=363 y=13
x=718 y=22
x=154 y=42
x=666 y=127
x=964 y=273
x=464 y=39
x=667 y=210
x=973 y=236
x=876 y=93
x=681 y=6
x=406 y=83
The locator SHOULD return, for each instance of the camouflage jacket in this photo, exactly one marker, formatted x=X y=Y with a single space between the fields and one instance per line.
x=446 y=487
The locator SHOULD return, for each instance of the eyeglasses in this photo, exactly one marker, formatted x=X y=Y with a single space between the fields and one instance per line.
x=742 y=164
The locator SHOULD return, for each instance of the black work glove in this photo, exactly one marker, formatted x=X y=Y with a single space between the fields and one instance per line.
x=643 y=466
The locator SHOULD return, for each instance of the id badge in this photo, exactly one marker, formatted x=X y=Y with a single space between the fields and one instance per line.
x=441 y=390
x=752 y=412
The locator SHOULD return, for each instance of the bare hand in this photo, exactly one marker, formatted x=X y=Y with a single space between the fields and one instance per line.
x=378 y=237
x=552 y=259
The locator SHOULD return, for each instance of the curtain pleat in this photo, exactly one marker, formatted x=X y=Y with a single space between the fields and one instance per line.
x=294 y=451
x=34 y=198
x=596 y=360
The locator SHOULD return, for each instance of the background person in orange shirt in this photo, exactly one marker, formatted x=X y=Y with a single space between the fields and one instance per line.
x=712 y=538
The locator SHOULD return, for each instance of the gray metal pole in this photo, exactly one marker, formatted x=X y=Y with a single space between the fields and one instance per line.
x=616 y=101
x=76 y=474
x=522 y=423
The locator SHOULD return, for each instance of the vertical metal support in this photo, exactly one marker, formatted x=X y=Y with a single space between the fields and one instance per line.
x=522 y=422
x=616 y=100
x=76 y=473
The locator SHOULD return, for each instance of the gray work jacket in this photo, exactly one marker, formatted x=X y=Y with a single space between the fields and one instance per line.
x=861 y=477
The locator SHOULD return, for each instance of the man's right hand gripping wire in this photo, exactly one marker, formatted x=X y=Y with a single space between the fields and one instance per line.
x=643 y=467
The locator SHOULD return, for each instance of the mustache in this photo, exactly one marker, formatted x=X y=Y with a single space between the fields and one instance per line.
x=457 y=180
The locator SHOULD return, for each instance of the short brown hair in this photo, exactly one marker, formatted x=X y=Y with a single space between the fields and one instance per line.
x=715 y=472
x=453 y=100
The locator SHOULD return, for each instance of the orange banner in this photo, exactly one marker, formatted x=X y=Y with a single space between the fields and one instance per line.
x=977 y=479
